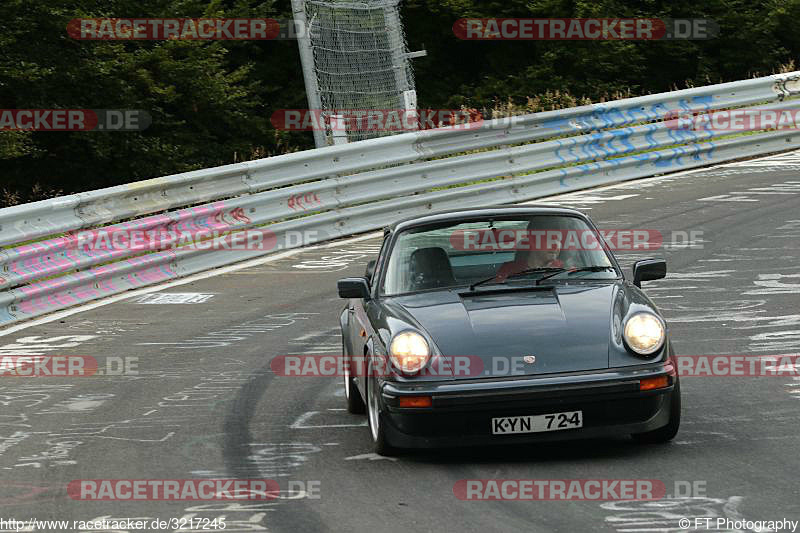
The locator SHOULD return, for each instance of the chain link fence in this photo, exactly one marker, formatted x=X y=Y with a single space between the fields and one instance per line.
x=360 y=63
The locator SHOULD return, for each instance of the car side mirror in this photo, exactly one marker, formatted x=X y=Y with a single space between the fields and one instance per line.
x=353 y=288
x=648 y=270
x=370 y=270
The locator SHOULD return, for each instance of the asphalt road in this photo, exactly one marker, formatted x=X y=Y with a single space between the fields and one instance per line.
x=203 y=403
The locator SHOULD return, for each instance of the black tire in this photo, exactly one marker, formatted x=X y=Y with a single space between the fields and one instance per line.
x=355 y=404
x=380 y=445
x=666 y=433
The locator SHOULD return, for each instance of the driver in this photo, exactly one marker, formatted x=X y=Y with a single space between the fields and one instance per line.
x=526 y=259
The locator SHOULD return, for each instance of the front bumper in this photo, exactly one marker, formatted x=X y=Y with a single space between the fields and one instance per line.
x=462 y=411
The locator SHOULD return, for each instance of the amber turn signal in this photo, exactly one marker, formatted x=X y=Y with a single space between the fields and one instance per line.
x=654 y=383
x=414 y=401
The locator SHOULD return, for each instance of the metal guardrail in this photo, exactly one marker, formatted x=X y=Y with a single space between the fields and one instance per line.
x=360 y=186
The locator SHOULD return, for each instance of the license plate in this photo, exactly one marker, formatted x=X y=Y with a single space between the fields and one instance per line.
x=509 y=425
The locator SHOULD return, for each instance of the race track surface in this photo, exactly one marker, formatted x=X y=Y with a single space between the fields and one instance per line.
x=202 y=401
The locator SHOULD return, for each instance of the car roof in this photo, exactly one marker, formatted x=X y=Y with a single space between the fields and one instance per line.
x=478 y=212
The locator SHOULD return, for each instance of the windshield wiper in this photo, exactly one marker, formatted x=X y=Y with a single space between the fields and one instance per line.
x=520 y=273
x=593 y=268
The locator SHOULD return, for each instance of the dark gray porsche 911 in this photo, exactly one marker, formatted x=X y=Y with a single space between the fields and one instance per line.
x=505 y=325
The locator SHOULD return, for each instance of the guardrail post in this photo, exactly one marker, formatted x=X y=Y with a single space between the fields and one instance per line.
x=307 y=63
x=338 y=129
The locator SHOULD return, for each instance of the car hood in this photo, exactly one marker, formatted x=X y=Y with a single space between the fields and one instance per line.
x=567 y=328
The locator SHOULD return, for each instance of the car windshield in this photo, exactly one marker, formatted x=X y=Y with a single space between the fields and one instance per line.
x=495 y=251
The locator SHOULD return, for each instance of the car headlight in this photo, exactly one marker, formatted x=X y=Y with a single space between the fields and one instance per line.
x=644 y=333
x=409 y=351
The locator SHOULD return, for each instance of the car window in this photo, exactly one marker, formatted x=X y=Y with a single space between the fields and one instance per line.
x=444 y=256
x=379 y=259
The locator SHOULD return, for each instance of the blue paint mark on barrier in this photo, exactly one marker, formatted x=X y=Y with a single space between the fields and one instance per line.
x=710 y=150
x=706 y=100
x=651 y=141
x=625 y=139
x=572 y=145
x=585 y=149
x=558 y=152
x=641 y=158
x=6 y=316
x=658 y=110
x=594 y=145
x=662 y=160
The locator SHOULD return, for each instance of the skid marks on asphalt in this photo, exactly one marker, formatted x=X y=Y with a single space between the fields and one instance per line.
x=337 y=259
x=327 y=419
x=735 y=429
x=233 y=335
x=321 y=342
x=329 y=413
x=42 y=345
x=752 y=321
x=582 y=200
x=793 y=387
x=790 y=159
x=330 y=258
x=754 y=194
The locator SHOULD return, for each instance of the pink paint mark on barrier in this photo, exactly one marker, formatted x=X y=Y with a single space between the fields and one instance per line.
x=159 y=272
x=60 y=300
x=69 y=252
x=240 y=216
x=199 y=218
x=107 y=286
x=86 y=293
x=101 y=276
x=303 y=202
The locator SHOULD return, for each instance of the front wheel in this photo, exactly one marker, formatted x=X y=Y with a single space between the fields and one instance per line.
x=666 y=433
x=379 y=442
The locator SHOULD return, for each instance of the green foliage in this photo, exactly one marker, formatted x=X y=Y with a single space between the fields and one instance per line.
x=210 y=101
x=756 y=38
